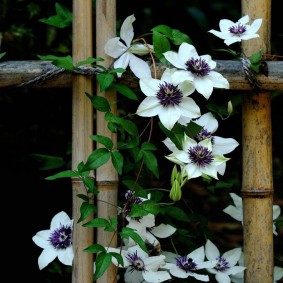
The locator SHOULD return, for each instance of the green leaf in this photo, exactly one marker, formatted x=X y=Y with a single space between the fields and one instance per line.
x=126 y=91
x=102 y=262
x=151 y=162
x=49 y=162
x=99 y=103
x=177 y=213
x=89 y=60
x=148 y=146
x=107 y=142
x=95 y=248
x=89 y=183
x=179 y=37
x=86 y=210
x=117 y=161
x=62 y=19
x=96 y=222
x=2 y=54
x=161 y=44
x=134 y=142
x=129 y=232
x=144 y=208
x=176 y=138
x=61 y=62
x=105 y=80
x=97 y=158
x=63 y=174
x=83 y=197
x=192 y=129
x=118 y=257
x=129 y=126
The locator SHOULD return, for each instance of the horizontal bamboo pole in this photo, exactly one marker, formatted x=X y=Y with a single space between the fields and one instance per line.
x=13 y=73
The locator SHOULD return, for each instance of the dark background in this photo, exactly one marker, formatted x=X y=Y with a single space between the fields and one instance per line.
x=38 y=121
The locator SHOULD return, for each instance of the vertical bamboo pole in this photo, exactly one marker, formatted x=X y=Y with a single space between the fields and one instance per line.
x=106 y=176
x=82 y=128
x=257 y=187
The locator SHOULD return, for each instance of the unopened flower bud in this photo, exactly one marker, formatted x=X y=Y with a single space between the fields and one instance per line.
x=176 y=192
x=230 y=107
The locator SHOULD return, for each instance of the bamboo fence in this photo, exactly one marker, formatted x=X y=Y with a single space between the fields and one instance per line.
x=82 y=128
x=257 y=181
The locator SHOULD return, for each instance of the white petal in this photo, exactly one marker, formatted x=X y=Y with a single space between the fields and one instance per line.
x=255 y=26
x=208 y=121
x=41 y=239
x=170 y=145
x=211 y=251
x=46 y=257
x=218 y=80
x=149 y=86
x=169 y=116
x=234 y=212
x=224 y=145
x=236 y=269
x=192 y=171
x=237 y=200
x=233 y=256
x=163 y=230
x=127 y=30
x=187 y=51
x=114 y=47
x=197 y=255
x=122 y=62
x=278 y=273
x=133 y=276
x=139 y=67
x=172 y=57
x=66 y=256
x=59 y=219
x=156 y=277
x=178 y=272
x=204 y=86
x=276 y=211
x=149 y=107
x=200 y=277
x=153 y=263
x=222 y=277
x=189 y=108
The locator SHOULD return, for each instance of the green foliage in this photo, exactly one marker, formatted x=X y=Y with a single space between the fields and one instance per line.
x=62 y=19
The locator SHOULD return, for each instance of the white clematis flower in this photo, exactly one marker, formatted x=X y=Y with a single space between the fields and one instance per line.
x=236 y=210
x=168 y=98
x=226 y=265
x=185 y=266
x=197 y=158
x=56 y=242
x=219 y=145
x=140 y=267
x=195 y=68
x=235 y=32
x=123 y=49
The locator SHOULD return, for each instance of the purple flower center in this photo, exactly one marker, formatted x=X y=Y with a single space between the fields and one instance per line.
x=222 y=264
x=131 y=199
x=61 y=238
x=186 y=263
x=136 y=261
x=202 y=135
x=169 y=94
x=238 y=29
x=200 y=155
x=198 y=67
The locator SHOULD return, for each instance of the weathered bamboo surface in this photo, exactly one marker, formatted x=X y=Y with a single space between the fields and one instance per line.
x=13 y=73
x=257 y=185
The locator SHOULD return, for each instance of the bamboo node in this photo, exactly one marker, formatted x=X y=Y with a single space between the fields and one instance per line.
x=257 y=193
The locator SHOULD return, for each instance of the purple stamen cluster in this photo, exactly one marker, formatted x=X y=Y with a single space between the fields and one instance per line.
x=136 y=262
x=200 y=155
x=238 y=29
x=169 y=94
x=198 y=67
x=61 y=238
x=131 y=199
x=202 y=135
x=185 y=263
x=222 y=264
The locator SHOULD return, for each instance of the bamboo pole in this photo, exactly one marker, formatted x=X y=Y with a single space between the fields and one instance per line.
x=106 y=176
x=82 y=127
x=257 y=187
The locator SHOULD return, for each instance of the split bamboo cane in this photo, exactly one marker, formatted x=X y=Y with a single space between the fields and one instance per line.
x=82 y=128
x=257 y=186
x=106 y=176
